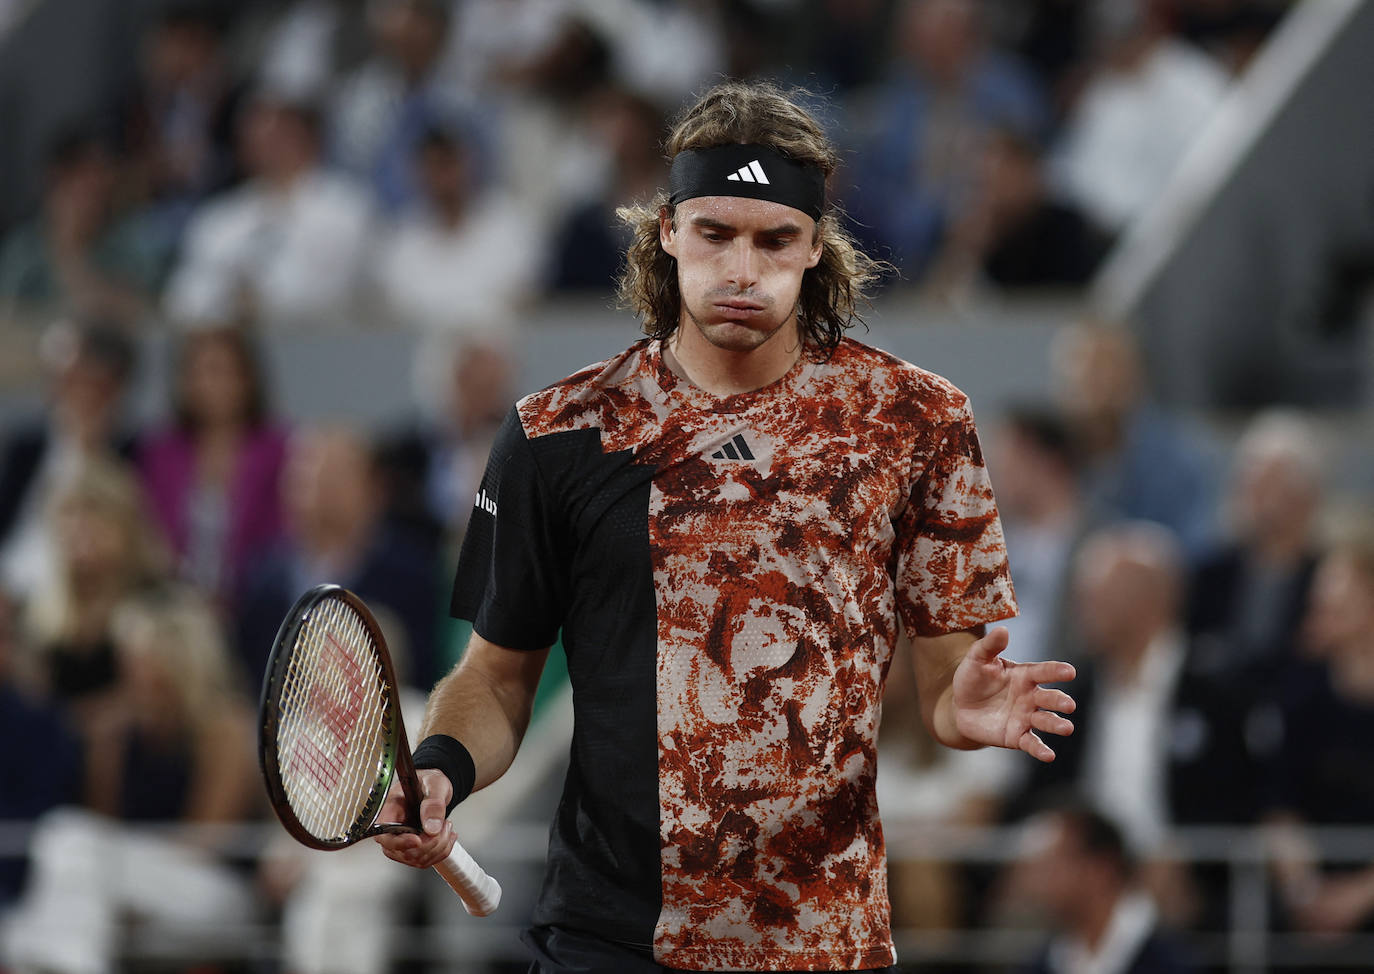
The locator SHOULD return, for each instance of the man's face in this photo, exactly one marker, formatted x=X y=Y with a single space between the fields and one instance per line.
x=740 y=265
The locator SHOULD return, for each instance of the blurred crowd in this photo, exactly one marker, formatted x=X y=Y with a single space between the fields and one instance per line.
x=1220 y=621
x=440 y=166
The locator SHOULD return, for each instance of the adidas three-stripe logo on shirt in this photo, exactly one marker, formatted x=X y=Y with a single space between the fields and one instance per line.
x=736 y=449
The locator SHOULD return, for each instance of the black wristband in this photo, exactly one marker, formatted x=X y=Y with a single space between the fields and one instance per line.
x=448 y=755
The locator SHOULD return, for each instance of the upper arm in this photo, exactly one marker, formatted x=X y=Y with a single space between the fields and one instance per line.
x=512 y=575
x=951 y=572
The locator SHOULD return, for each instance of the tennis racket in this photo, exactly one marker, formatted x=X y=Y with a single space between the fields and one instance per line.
x=331 y=736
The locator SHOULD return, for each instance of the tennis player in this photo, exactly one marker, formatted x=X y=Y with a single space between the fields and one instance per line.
x=730 y=522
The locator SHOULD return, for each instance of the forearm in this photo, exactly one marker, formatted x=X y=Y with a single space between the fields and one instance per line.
x=485 y=703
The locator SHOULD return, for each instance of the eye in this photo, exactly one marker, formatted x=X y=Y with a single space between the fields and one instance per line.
x=713 y=236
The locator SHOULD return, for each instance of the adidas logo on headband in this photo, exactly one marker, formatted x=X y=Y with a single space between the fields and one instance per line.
x=752 y=173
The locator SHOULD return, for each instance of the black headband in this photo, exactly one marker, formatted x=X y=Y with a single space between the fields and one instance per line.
x=753 y=171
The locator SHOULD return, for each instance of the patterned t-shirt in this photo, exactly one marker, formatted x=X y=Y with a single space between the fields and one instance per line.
x=728 y=575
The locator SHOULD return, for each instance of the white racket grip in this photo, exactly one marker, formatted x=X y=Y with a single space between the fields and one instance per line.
x=479 y=892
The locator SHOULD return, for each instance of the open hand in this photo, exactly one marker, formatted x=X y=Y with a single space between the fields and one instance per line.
x=1003 y=704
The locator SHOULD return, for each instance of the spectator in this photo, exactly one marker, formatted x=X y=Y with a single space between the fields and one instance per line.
x=469 y=257
x=1157 y=744
x=287 y=246
x=106 y=551
x=178 y=119
x=336 y=533
x=590 y=245
x=1141 y=108
x=925 y=132
x=667 y=50
x=1248 y=595
x=82 y=254
x=385 y=108
x=1322 y=774
x=179 y=744
x=1137 y=463
x=1053 y=38
x=89 y=363
x=213 y=477
x=1079 y=871
x=175 y=747
x=531 y=62
x=432 y=470
x=1012 y=234
x=1045 y=521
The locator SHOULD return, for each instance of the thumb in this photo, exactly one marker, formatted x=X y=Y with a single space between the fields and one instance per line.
x=990 y=646
x=435 y=790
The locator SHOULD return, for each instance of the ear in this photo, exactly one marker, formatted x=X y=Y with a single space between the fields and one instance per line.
x=814 y=257
x=667 y=232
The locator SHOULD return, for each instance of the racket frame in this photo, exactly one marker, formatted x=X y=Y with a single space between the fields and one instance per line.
x=397 y=760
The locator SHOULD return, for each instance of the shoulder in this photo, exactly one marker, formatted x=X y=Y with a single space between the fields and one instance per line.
x=602 y=395
x=893 y=382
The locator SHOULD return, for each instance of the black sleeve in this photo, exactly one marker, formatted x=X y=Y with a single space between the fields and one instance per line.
x=511 y=580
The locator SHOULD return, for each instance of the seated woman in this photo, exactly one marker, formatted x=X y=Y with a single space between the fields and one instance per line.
x=175 y=745
x=106 y=551
x=212 y=476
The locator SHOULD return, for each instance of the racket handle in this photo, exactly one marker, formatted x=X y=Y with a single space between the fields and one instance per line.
x=478 y=891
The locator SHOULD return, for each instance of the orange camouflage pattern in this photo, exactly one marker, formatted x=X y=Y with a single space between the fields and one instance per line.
x=779 y=582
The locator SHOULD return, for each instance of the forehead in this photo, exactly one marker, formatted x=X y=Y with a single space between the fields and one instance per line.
x=742 y=213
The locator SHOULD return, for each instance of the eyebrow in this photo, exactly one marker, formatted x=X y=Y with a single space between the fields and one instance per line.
x=779 y=231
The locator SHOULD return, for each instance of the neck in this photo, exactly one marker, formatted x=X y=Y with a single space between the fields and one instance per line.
x=451 y=210
x=729 y=372
x=284 y=179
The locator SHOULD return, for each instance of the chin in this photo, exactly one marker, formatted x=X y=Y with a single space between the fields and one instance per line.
x=736 y=338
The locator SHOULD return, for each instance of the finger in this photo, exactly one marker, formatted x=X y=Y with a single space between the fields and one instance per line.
x=432 y=849
x=437 y=790
x=1047 y=698
x=1051 y=723
x=1051 y=671
x=1035 y=747
x=988 y=648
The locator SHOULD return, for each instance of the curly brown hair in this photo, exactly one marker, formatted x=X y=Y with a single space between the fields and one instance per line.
x=752 y=114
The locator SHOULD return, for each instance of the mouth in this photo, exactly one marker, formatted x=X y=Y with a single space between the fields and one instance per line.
x=738 y=310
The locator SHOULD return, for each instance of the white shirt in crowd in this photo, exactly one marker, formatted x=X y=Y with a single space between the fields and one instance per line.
x=1132 y=922
x=439 y=278
x=1131 y=130
x=290 y=257
x=1124 y=763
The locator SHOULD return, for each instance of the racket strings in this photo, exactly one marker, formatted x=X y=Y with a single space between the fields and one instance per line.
x=335 y=727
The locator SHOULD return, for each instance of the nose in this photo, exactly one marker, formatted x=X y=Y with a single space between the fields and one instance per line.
x=743 y=269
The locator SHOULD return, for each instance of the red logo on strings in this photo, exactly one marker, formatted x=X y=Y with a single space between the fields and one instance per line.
x=334 y=703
